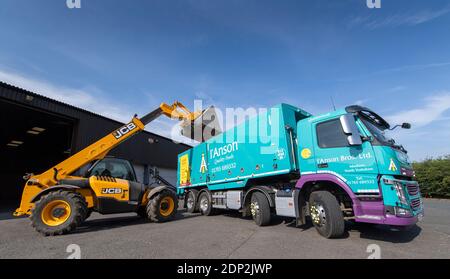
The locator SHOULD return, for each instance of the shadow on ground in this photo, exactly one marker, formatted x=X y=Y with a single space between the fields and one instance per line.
x=366 y=231
x=107 y=223
x=6 y=213
x=386 y=233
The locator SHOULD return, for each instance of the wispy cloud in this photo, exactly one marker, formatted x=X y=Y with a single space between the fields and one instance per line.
x=396 y=89
x=360 y=102
x=89 y=98
x=399 y=19
x=415 y=67
x=400 y=69
x=433 y=109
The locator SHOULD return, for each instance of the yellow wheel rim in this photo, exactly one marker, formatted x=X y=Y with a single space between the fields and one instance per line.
x=55 y=213
x=166 y=206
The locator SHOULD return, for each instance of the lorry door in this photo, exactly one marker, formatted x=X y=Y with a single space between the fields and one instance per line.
x=355 y=165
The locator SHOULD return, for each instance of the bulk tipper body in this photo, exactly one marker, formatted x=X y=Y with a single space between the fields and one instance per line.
x=334 y=167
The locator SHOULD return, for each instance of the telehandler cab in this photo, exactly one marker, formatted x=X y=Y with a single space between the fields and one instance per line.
x=58 y=201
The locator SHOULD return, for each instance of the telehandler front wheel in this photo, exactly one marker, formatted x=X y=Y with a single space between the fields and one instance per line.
x=88 y=213
x=162 y=207
x=58 y=212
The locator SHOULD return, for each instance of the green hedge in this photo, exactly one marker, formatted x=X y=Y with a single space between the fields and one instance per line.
x=434 y=177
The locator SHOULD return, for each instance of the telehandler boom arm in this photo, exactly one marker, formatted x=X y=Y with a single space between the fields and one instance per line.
x=97 y=151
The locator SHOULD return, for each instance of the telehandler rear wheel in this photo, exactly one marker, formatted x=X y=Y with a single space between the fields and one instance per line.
x=163 y=206
x=58 y=212
x=142 y=212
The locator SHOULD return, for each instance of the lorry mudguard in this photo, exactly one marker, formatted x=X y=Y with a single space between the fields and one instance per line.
x=267 y=191
x=328 y=178
x=322 y=177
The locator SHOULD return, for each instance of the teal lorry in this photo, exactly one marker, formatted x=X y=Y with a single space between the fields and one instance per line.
x=333 y=167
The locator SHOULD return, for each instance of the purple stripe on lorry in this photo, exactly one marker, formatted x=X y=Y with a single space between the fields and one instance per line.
x=327 y=177
x=365 y=212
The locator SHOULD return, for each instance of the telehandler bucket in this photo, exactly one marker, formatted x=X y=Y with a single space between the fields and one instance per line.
x=205 y=126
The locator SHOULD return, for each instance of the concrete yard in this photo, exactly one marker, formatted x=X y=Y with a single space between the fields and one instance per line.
x=226 y=236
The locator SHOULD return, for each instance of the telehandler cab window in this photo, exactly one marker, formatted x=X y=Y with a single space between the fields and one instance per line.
x=330 y=134
x=113 y=168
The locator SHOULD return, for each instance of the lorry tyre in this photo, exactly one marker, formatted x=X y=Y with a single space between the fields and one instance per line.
x=260 y=209
x=191 y=201
x=58 y=212
x=162 y=207
x=326 y=215
x=205 y=204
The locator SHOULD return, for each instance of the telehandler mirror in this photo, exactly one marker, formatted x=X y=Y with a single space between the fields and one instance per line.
x=350 y=129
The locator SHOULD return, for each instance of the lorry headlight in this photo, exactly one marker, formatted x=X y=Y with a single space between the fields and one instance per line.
x=401 y=212
x=400 y=193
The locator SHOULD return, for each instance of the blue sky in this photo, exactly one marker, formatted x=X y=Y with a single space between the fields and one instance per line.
x=119 y=57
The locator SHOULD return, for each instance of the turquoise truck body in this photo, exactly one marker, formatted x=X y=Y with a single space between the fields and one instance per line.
x=286 y=153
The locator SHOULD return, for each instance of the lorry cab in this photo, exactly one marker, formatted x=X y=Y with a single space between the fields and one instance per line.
x=351 y=146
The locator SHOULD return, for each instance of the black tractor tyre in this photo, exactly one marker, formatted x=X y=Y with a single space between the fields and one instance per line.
x=162 y=207
x=191 y=201
x=260 y=209
x=205 y=204
x=58 y=212
x=142 y=212
x=88 y=213
x=326 y=214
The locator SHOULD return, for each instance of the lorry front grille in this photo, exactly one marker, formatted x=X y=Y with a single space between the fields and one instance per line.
x=415 y=204
x=413 y=189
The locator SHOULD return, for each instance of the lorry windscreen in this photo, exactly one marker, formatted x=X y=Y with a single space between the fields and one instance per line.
x=378 y=133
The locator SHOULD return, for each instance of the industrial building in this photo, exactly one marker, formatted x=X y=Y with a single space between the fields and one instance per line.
x=38 y=132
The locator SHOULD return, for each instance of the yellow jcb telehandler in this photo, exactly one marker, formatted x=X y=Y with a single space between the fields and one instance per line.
x=57 y=201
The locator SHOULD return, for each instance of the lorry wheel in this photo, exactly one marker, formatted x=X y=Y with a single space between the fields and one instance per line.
x=163 y=206
x=260 y=209
x=191 y=201
x=58 y=212
x=326 y=215
x=205 y=204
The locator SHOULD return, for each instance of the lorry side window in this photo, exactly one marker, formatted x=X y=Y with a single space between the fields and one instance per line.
x=330 y=134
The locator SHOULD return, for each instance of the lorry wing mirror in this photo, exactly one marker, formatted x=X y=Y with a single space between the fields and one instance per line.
x=350 y=129
x=406 y=126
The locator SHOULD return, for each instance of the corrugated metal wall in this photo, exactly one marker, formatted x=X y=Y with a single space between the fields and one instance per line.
x=90 y=127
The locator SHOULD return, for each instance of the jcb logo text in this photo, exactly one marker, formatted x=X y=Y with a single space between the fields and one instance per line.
x=124 y=130
x=111 y=191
